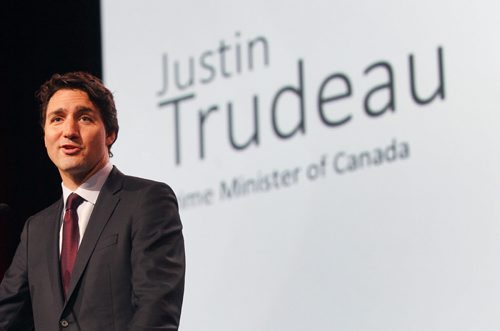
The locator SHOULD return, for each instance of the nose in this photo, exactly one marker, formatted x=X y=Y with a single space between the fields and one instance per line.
x=71 y=129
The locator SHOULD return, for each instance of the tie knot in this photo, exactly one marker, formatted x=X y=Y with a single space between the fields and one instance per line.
x=74 y=200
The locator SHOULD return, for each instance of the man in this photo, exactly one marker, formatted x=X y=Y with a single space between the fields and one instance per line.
x=109 y=255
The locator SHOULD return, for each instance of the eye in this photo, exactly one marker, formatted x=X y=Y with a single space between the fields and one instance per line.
x=56 y=119
x=86 y=118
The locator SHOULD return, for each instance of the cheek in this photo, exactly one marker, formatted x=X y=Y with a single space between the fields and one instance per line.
x=98 y=142
x=50 y=139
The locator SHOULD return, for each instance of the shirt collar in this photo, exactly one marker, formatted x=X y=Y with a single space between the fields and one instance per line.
x=90 y=189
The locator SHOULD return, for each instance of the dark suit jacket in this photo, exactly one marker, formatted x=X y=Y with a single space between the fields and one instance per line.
x=128 y=274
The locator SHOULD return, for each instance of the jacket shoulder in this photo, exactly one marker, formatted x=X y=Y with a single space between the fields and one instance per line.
x=48 y=213
x=133 y=183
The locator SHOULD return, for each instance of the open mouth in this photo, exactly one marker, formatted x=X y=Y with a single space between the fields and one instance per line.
x=71 y=149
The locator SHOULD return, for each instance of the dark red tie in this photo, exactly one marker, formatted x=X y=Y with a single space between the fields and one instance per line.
x=70 y=239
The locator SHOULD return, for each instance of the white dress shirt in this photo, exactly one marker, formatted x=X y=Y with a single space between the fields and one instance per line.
x=89 y=191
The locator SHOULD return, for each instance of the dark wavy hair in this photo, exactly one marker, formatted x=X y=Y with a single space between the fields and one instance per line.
x=98 y=94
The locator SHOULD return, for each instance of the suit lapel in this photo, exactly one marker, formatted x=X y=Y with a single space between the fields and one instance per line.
x=103 y=209
x=53 y=252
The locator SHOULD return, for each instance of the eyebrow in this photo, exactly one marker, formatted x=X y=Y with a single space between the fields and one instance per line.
x=84 y=110
x=79 y=110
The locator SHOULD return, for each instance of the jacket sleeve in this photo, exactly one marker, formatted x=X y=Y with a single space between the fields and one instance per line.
x=15 y=303
x=158 y=261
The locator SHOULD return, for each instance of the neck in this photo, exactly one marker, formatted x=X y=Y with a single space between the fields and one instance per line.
x=73 y=180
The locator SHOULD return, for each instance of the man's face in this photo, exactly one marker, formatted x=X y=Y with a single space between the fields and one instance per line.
x=75 y=136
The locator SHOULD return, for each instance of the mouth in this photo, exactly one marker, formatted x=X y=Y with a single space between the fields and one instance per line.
x=69 y=149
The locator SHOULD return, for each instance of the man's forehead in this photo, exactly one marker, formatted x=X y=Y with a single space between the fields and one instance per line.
x=70 y=98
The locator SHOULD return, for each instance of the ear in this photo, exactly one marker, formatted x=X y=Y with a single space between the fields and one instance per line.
x=110 y=138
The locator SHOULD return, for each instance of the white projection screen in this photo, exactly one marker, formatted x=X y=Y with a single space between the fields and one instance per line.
x=336 y=162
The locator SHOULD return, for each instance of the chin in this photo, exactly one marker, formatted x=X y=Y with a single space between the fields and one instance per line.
x=71 y=167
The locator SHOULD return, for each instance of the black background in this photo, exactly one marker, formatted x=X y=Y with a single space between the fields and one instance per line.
x=37 y=39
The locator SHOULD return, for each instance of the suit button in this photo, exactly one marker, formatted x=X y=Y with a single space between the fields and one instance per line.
x=64 y=323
